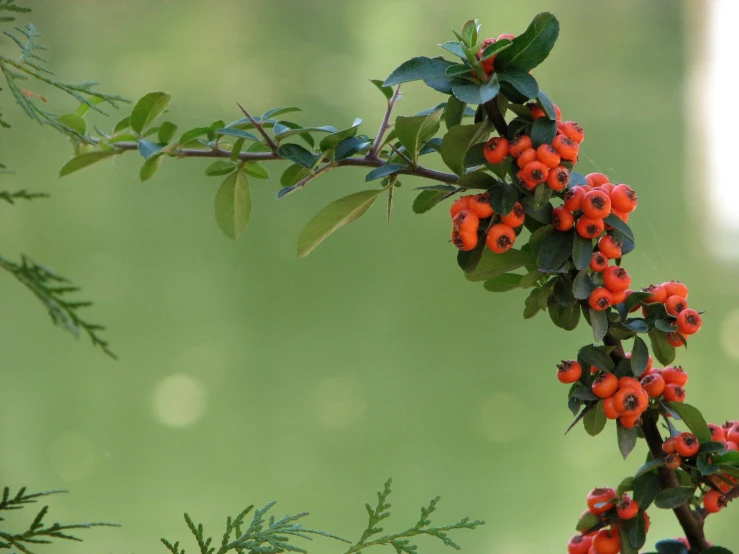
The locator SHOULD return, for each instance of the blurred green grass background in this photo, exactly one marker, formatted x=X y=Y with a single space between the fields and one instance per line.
x=310 y=381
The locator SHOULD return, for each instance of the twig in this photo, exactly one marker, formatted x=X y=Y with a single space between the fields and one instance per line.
x=399 y=153
x=493 y=111
x=258 y=126
x=384 y=125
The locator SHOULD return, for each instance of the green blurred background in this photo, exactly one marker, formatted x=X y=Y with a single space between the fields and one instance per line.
x=246 y=375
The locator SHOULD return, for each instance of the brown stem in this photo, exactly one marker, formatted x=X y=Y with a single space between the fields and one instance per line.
x=493 y=111
x=691 y=523
x=260 y=128
x=377 y=143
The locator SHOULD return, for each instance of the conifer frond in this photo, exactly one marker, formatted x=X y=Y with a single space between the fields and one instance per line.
x=52 y=290
x=11 y=197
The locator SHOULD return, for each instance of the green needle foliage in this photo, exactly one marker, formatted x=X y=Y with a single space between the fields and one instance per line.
x=52 y=290
x=270 y=536
x=38 y=532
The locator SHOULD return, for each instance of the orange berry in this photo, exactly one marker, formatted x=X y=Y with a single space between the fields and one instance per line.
x=500 y=238
x=673 y=461
x=558 y=178
x=627 y=508
x=604 y=384
x=717 y=433
x=616 y=278
x=518 y=144
x=598 y=262
x=579 y=544
x=596 y=179
x=573 y=198
x=732 y=435
x=480 y=204
x=687 y=445
x=674 y=393
x=567 y=148
x=618 y=296
x=628 y=402
x=658 y=294
x=668 y=447
x=569 y=371
x=528 y=155
x=461 y=204
x=596 y=204
x=603 y=495
x=516 y=217
x=689 y=321
x=536 y=172
x=464 y=230
x=675 y=304
x=547 y=155
x=600 y=299
x=530 y=185
x=487 y=65
x=675 y=287
x=507 y=36
x=674 y=339
x=654 y=384
x=675 y=375
x=496 y=149
x=623 y=198
x=562 y=219
x=714 y=501
x=572 y=131
x=610 y=246
x=607 y=541
x=609 y=408
x=588 y=227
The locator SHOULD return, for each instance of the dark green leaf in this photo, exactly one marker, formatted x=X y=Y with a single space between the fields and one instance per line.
x=637 y=325
x=599 y=323
x=730 y=458
x=634 y=299
x=693 y=419
x=595 y=420
x=191 y=134
x=417 y=69
x=542 y=215
x=673 y=497
x=703 y=465
x=581 y=392
x=521 y=80
x=531 y=278
x=554 y=251
x=531 y=305
x=661 y=348
x=637 y=534
x=542 y=196
x=233 y=205
x=665 y=325
x=577 y=179
x=334 y=216
x=493 y=49
x=625 y=486
x=531 y=47
x=503 y=196
x=427 y=199
x=646 y=487
x=587 y=522
x=712 y=447
x=332 y=140
x=717 y=550
x=148 y=148
x=83 y=160
x=639 y=356
x=491 y=264
x=477 y=180
x=219 y=167
x=469 y=32
x=503 y=283
x=563 y=291
x=285 y=129
x=454 y=111
x=147 y=109
x=384 y=171
x=594 y=356
x=565 y=317
x=475 y=155
x=455 y=48
x=296 y=154
x=279 y=111
x=582 y=252
x=458 y=140
x=445 y=85
x=543 y=131
x=150 y=167
x=458 y=69
x=670 y=546
x=479 y=93
x=618 y=224
x=626 y=439
x=537 y=237
x=349 y=147
x=649 y=466
x=546 y=104
x=413 y=132
x=467 y=261
x=386 y=91
x=293 y=174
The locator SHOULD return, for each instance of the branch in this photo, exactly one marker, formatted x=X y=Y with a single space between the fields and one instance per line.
x=376 y=145
x=494 y=115
x=260 y=128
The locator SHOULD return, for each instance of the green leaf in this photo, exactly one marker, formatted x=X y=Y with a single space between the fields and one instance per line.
x=231 y=132
x=457 y=142
x=83 y=108
x=384 y=171
x=279 y=111
x=477 y=180
x=646 y=487
x=543 y=131
x=148 y=148
x=414 y=132
x=599 y=323
x=74 y=122
x=582 y=252
x=542 y=196
x=717 y=550
x=670 y=546
x=293 y=174
x=705 y=467
x=457 y=69
x=455 y=48
x=595 y=357
x=83 y=160
x=730 y=458
x=531 y=47
x=332 y=140
x=233 y=205
x=626 y=485
x=191 y=134
x=595 y=420
x=521 y=80
x=587 y=522
x=661 y=348
x=350 y=146
x=454 y=112
x=542 y=215
x=386 y=91
x=554 y=251
x=531 y=305
x=537 y=237
x=166 y=131
x=417 y=69
x=503 y=283
x=673 y=497
x=637 y=325
x=297 y=154
x=565 y=317
x=503 y=197
x=469 y=32
x=479 y=93
x=637 y=534
x=693 y=419
x=256 y=170
x=427 y=199
x=150 y=167
x=649 y=466
x=147 y=109
x=626 y=439
x=619 y=225
x=334 y=216
x=123 y=124
x=496 y=47
x=491 y=264
x=639 y=357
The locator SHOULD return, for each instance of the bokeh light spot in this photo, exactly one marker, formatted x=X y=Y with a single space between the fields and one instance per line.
x=178 y=401
x=338 y=402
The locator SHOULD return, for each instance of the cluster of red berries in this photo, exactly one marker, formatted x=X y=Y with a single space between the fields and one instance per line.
x=467 y=214
x=673 y=295
x=605 y=504
x=488 y=66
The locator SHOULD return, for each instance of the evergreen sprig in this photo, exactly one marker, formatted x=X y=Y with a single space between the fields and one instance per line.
x=263 y=536
x=52 y=290
x=38 y=532
x=10 y=6
x=402 y=541
x=11 y=197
